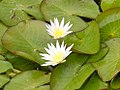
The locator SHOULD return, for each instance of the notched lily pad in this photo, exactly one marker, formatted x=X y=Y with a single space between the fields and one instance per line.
x=25 y=38
x=109 y=66
x=109 y=23
x=99 y=55
x=87 y=41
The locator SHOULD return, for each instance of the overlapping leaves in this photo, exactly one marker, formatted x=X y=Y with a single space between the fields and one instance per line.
x=14 y=11
x=70 y=10
x=96 y=44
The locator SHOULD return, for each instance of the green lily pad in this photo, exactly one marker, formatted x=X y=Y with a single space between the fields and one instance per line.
x=108 y=4
x=109 y=66
x=3 y=80
x=3 y=28
x=87 y=41
x=70 y=10
x=115 y=83
x=109 y=23
x=98 y=56
x=25 y=38
x=4 y=66
x=71 y=74
x=2 y=57
x=29 y=80
x=23 y=64
x=15 y=11
x=94 y=83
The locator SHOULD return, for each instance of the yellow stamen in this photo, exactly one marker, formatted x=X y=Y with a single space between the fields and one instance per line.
x=58 y=57
x=58 y=32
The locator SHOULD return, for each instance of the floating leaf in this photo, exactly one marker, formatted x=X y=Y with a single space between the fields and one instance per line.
x=3 y=80
x=70 y=10
x=3 y=28
x=94 y=83
x=29 y=80
x=24 y=38
x=2 y=58
x=109 y=66
x=4 y=66
x=98 y=56
x=23 y=64
x=115 y=83
x=109 y=23
x=71 y=75
x=108 y=4
x=15 y=11
x=87 y=41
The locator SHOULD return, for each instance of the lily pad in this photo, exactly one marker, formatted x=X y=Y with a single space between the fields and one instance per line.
x=3 y=28
x=3 y=80
x=71 y=74
x=70 y=10
x=4 y=66
x=29 y=80
x=115 y=82
x=23 y=64
x=109 y=23
x=15 y=11
x=108 y=4
x=98 y=56
x=27 y=37
x=2 y=57
x=109 y=66
x=94 y=83
x=87 y=41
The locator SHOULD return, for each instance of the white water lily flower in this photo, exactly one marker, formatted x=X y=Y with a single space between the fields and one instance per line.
x=56 y=54
x=58 y=30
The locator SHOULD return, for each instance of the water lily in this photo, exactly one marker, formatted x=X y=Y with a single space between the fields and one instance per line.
x=56 y=54
x=58 y=30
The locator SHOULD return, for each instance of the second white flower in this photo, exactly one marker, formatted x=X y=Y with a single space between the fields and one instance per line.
x=58 y=30
x=56 y=54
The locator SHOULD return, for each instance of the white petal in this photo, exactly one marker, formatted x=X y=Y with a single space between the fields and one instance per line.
x=62 y=45
x=67 y=33
x=67 y=28
x=48 y=26
x=57 y=45
x=49 y=63
x=45 y=64
x=62 y=23
x=63 y=61
x=67 y=53
x=53 y=48
x=56 y=22
x=44 y=55
x=49 y=51
x=52 y=63
x=50 y=32
x=52 y=24
x=68 y=49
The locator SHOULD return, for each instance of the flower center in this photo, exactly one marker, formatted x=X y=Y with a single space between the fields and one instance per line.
x=58 y=57
x=58 y=32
